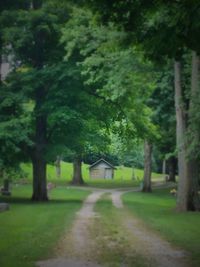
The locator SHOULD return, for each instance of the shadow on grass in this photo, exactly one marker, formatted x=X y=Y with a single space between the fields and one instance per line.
x=28 y=201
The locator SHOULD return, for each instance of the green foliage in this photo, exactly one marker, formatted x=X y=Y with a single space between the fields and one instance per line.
x=31 y=36
x=130 y=152
x=120 y=74
x=163 y=106
x=45 y=86
x=14 y=125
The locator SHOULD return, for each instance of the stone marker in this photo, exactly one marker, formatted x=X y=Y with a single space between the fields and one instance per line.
x=5 y=190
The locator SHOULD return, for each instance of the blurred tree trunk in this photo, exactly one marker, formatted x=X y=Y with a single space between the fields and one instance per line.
x=147 y=167
x=58 y=167
x=194 y=135
x=164 y=167
x=183 y=184
x=38 y=152
x=77 y=171
x=0 y=66
x=172 y=163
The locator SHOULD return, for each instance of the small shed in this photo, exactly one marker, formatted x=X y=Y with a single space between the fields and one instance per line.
x=102 y=169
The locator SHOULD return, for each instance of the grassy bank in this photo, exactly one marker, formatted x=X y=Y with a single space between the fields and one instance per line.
x=157 y=210
x=29 y=231
x=122 y=177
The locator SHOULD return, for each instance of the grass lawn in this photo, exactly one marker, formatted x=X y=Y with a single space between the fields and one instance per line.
x=122 y=177
x=158 y=211
x=29 y=231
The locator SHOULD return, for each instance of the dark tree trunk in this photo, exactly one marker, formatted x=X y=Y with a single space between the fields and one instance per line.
x=0 y=65
x=194 y=136
x=38 y=153
x=147 y=167
x=39 y=179
x=77 y=171
x=193 y=198
x=172 y=164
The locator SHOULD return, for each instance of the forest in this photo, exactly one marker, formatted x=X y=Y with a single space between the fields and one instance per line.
x=111 y=78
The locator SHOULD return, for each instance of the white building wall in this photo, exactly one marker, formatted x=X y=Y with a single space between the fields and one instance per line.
x=101 y=170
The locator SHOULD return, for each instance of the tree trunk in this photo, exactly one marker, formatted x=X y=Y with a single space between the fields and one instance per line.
x=193 y=198
x=0 y=66
x=39 y=178
x=58 y=167
x=40 y=141
x=77 y=171
x=164 y=167
x=147 y=167
x=194 y=136
x=164 y=170
x=133 y=173
x=172 y=162
x=38 y=153
x=35 y=4
x=183 y=183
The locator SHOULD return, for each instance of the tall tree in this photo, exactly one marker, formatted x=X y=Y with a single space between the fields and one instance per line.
x=162 y=103
x=159 y=20
x=177 y=20
x=33 y=38
x=117 y=72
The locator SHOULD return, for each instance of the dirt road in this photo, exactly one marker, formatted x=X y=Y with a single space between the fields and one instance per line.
x=88 y=244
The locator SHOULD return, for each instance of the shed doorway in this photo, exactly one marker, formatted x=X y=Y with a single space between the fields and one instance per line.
x=108 y=173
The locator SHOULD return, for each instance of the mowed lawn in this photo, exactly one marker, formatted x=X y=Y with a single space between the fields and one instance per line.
x=157 y=210
x=122 y=176
x=29 y=231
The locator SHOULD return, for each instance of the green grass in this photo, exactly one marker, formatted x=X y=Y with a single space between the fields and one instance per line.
x=158 y=211
x=29 y=231
x=122 y=177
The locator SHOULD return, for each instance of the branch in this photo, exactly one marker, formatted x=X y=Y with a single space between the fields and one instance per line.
x=115 y=104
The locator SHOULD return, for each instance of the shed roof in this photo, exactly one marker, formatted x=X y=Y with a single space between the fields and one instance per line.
x=102 y=160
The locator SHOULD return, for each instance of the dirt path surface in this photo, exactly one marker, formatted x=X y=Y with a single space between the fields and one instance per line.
x=74 y=250
x=81 y=246
x=152 y=246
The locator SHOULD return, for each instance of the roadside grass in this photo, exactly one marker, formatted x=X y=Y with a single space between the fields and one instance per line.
x=29 y=231
x=122 y=177
x=157 y=210
x=114 y=247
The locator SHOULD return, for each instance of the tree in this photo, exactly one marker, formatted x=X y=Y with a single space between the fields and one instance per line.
x=159 y=20
x=58 y=167
x=13 y=127
x=177 y=20
x=90 y=136
x=11 y=119
x=121 y=75
x=33 y=37
x=162 y=104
